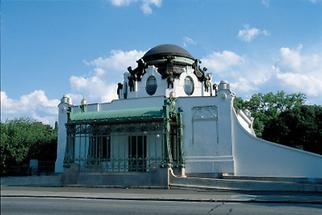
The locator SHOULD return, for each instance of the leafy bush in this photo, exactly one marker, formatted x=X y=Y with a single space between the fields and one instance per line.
x=24 y=139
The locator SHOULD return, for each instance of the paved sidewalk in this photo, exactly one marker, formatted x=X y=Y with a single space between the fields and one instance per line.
x=160 y=195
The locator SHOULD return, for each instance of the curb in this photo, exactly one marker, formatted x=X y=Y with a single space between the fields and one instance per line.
x=166 y=199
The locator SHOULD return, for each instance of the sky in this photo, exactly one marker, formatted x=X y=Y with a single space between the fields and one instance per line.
x=82 y=47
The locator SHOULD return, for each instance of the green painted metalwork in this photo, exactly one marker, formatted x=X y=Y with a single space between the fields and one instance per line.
x=89 y=135
x=168 y=153
x=180 y=137
x=127 y=114
x=86 y=146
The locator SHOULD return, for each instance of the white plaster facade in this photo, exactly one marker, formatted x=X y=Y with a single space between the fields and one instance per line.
x=65 y=103
x=216 y=138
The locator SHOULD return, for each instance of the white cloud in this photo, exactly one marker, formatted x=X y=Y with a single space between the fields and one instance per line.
x=300 y=72
x=117 y=61
x=120 y=3
x=244 y=74
x=145 y=5
x=93 y=88
x=307 y=83
x=250 y=78
x=188 y=41
x=293 y=71
x=291 y=58
x=220 y=61
x=248 y=33
x=100 y=86
x=35 y=105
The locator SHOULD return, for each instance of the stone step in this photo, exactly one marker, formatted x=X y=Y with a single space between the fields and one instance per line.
x=243 y=185
x=277 y=179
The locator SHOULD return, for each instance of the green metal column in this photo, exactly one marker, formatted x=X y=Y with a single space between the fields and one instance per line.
x=180 y=138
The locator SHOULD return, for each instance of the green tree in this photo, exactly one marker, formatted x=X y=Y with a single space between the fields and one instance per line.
x=266 y=107
x=24 y=139
x=299 y=127
x=285 y=119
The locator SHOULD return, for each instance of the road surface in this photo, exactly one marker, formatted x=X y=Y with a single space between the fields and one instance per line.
x=44 y=205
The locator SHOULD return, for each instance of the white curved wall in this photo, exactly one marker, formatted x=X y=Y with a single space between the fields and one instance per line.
x=257 y=157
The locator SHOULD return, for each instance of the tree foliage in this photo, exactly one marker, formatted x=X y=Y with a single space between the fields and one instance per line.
x=24 y=139
x=285 y=119
x=266 y=107
x=299 y=127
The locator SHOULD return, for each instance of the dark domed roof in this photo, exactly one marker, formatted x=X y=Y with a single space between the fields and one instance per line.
x=166 y=50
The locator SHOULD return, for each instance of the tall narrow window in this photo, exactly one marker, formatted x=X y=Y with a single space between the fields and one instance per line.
x=100 y=148
x=137 y=153
x=106 y=148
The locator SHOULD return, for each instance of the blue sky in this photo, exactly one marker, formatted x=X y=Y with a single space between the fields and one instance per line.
x=50 y=48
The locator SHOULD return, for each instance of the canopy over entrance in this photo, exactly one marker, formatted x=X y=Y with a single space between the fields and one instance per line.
x=135 y=114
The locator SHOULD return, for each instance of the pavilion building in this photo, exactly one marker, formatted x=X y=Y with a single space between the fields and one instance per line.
x=170 y=116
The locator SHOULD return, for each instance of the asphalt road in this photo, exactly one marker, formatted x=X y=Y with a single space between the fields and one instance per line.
x=31 y=205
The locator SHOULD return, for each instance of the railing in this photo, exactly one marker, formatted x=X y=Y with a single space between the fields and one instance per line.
x=131 y=147
x=118 y=165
